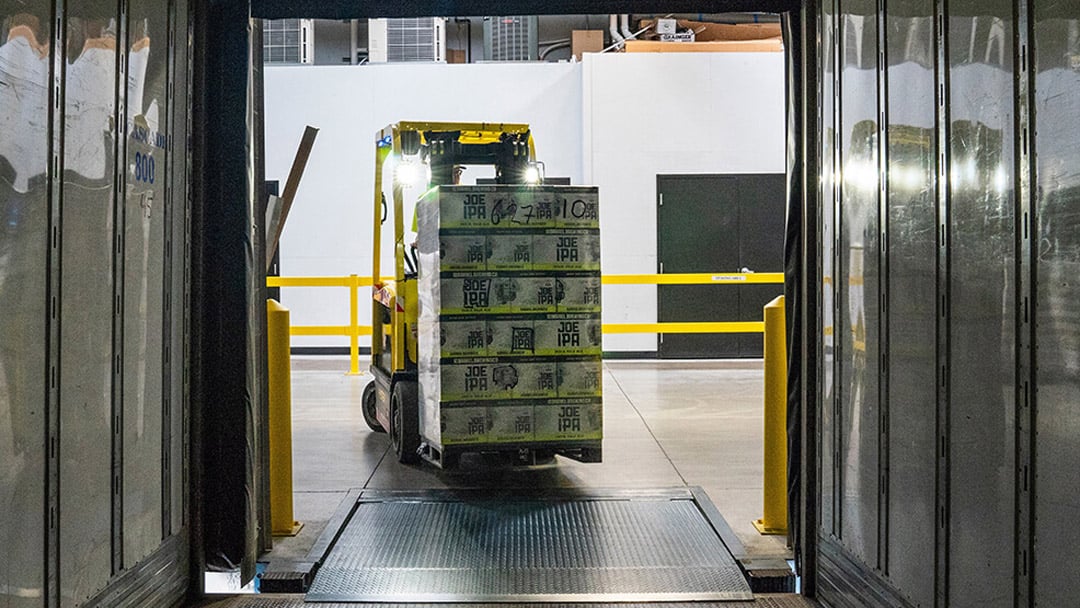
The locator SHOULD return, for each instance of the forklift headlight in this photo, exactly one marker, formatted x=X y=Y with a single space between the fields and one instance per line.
x=533 y=175
x=411 y=174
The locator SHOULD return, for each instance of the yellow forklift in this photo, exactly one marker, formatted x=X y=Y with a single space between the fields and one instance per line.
x=426 y=154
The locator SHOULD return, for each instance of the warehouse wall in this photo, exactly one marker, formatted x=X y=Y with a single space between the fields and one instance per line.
x=93 y=194
x=654 y=113
x=949 y=231
x=615 y=121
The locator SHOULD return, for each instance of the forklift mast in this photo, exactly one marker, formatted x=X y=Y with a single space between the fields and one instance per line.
x=438 y=147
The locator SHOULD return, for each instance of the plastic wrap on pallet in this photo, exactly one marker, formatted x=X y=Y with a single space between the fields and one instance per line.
x=429 y=295
x=510 y=327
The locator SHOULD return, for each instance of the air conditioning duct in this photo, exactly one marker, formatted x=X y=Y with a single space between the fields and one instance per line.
x=407 y=40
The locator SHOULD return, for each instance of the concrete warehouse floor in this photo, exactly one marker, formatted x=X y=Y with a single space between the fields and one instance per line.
x=667 y=424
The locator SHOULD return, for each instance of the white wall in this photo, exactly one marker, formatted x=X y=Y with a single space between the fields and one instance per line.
x=669 y=113
x=615 y=120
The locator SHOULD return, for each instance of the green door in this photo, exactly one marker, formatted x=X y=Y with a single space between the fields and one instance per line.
x=717 y=224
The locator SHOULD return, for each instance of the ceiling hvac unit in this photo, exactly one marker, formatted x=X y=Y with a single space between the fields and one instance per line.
x=511 y=38
x=404 y=40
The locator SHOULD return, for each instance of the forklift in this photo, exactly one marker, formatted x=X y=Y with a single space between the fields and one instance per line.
x=430 y=154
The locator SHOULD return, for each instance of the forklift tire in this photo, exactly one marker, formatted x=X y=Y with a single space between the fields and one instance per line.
x=405 y=422
x=367 y=406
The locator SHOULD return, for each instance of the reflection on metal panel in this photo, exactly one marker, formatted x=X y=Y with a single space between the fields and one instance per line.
x=178 y=201
x=981 y=260
x=87 y=302
x=144 y=234
x=24 y=226
x=911 y=293
x=827 y=360
x=1057 y=238
x=982 y=295
x=857 y=279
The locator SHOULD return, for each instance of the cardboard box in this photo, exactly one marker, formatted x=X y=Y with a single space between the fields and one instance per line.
x=488 y=379
x=463 y=337
x=534 y=294
x=463 y=252
x=511 y=422
x=663 y=26
x=573 y=207
x=720 y=46
x=566 y=250
x=582 y=378
x=510 y=250
x=462 y=425
x=564 y=419
x=507 y=207
x=586 y=41
x=512 y=336
x=712 y=32
x=455 y=55
x=578 y=293
x=562 y=335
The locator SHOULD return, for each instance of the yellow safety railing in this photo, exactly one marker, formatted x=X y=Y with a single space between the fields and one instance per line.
x=354 y=282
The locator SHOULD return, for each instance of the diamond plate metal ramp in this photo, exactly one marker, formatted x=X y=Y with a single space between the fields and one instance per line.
x=622 y=548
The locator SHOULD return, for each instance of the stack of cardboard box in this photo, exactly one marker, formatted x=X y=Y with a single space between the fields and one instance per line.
x=509 y=332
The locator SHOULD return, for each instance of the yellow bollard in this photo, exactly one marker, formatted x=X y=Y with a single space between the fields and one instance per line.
x=280 y=390
x=775 y=480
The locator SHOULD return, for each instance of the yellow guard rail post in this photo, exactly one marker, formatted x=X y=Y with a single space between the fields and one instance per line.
x=354 y=325
x=774 y=501
x=280 y=395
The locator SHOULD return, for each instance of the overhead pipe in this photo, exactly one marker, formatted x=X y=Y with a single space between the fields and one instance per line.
x=614 y=45
x=354 y=45
x=554 y=47
x=726 y=18
x=624 y=27
x=617 y=39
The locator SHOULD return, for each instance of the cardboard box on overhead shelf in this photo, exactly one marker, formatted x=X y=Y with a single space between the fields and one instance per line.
x=586 y=41
x=663 y=26
x=721 y=46
x=714 y=32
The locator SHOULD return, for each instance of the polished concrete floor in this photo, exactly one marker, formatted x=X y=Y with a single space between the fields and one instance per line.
x=666 y=424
